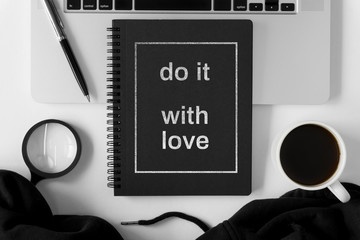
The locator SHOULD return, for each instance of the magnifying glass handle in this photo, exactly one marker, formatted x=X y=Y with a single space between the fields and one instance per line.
x=35 y=178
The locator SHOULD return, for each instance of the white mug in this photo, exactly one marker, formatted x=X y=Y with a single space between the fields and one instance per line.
x=291 y=169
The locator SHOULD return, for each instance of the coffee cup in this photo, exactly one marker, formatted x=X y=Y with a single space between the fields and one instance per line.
x=312 y=155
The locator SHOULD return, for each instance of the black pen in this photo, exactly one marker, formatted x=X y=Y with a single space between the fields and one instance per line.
x=59 y=30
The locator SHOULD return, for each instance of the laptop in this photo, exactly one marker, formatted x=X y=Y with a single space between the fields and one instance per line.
x=291 y=45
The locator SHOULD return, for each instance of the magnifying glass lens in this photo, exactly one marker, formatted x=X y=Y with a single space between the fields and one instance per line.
x=52 y=148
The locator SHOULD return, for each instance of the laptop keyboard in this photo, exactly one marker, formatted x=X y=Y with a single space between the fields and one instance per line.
x=229 y=6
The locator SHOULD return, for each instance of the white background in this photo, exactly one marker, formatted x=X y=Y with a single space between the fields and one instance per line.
x=84 y=191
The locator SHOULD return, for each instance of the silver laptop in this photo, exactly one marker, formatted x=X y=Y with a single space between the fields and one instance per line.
x=291 y=49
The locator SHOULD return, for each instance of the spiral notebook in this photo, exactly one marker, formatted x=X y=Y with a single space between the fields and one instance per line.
x=180 y=107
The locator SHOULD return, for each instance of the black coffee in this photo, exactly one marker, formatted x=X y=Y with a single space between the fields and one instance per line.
x=309 y=154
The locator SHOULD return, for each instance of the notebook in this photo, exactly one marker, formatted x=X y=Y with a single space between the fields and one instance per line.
x=180 y=107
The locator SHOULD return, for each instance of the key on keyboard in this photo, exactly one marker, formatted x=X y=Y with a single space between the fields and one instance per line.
x=185 y=5
x=222 y=5
x=89 y=4
x=123 y=4
x=73 y=4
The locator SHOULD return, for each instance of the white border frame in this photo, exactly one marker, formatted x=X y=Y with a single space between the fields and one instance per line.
x=236 y=104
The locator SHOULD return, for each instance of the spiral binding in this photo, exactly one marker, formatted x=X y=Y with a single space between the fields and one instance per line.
x=113 y=108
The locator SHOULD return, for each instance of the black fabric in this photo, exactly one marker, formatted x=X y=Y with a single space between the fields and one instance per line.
x=25 y=215
x=297 y=215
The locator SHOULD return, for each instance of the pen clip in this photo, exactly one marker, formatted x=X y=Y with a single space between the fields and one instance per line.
x=55 y=19
x=56 y=13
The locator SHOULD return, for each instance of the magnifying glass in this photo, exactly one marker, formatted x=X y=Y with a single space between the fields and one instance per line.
x=51 y=148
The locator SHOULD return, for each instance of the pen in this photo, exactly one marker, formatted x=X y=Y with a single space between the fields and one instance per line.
x=59 y=30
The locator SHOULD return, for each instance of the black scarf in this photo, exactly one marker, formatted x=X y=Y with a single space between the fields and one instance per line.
x=25 y=215
x=297 y=215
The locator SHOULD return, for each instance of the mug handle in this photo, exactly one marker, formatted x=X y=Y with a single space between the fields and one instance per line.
x=339 y=191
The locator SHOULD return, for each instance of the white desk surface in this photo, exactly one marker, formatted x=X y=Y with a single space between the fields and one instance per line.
x=84 y=191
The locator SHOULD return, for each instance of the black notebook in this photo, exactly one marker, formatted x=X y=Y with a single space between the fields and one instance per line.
x=180 y=107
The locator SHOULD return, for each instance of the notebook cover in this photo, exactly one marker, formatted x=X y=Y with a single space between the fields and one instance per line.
x=181 y=107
